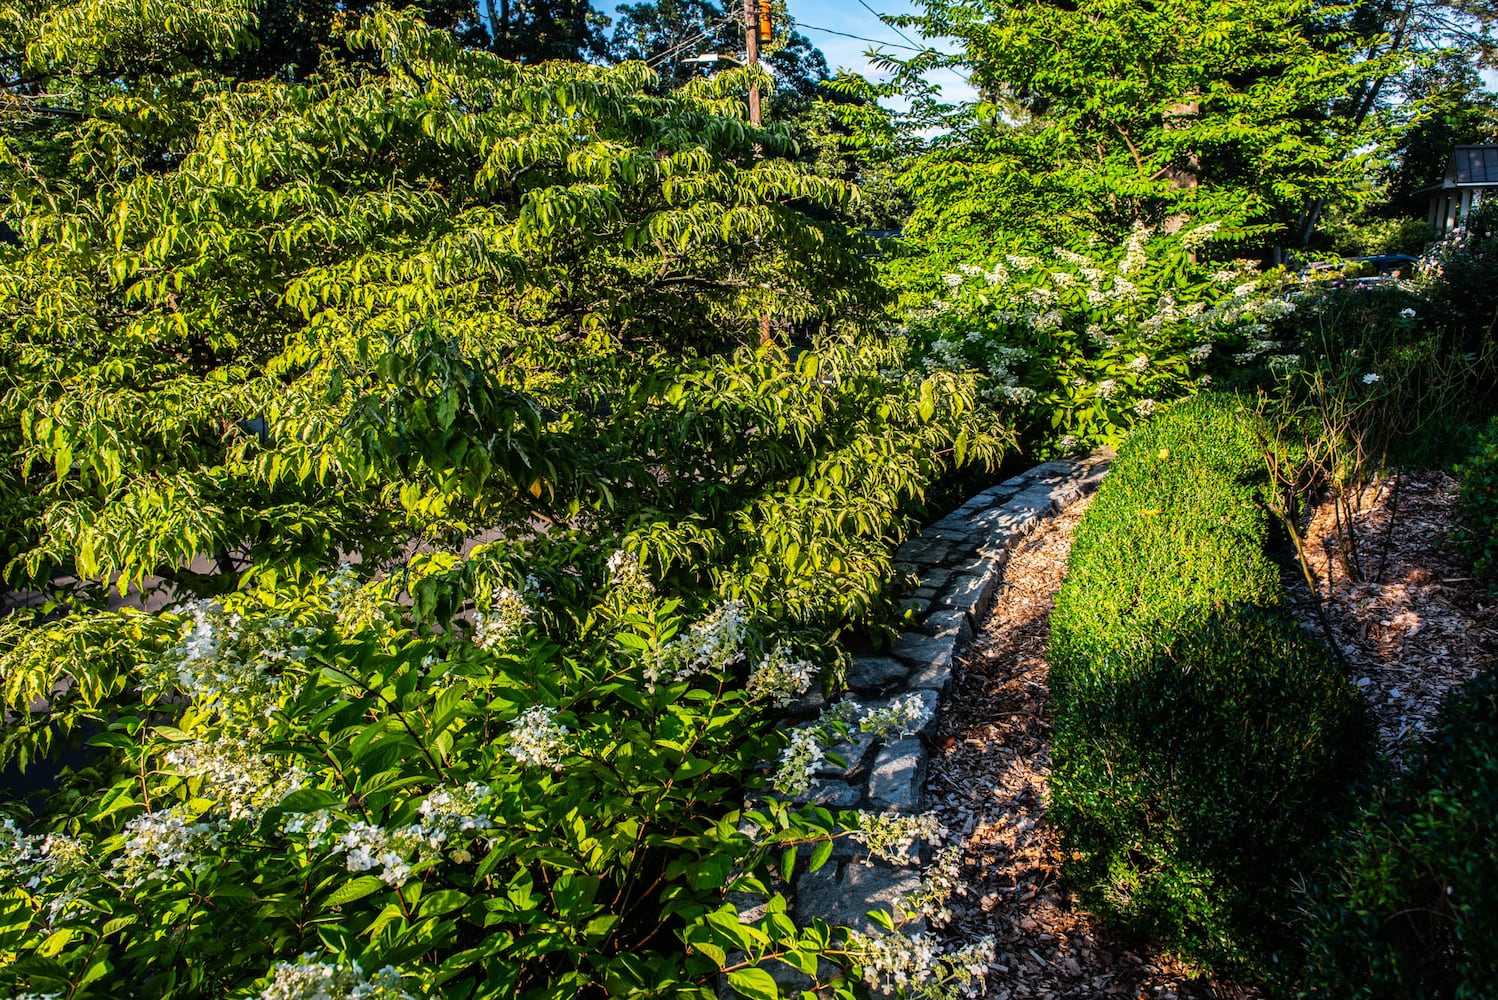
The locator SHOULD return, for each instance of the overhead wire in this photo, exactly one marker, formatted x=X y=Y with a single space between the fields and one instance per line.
x=861 y=38
x=679 y=46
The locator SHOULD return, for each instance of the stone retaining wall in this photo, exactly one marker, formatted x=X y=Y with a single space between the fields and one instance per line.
x=959 y=562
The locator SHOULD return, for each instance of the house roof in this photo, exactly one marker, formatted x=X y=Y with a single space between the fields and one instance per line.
x=1473 y=165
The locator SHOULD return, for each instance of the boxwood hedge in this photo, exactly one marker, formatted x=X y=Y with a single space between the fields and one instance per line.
x=1203 y=742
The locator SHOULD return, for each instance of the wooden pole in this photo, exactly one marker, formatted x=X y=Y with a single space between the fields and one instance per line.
x=751 y=40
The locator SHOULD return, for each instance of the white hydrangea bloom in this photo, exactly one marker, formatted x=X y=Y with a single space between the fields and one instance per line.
x=901 y=717
x=224 y=656
x=626 y=572
x=508 y=614
x=799 y=762
x=366 y=846
x=712 y=644
x=940 y=881
x=309 y=979
x=447 y=813
x=946 y=355
x=890 y=836
x=1200 y=353
x=1134 y=254
x=313 y=825
x=1106 y=388
x=161 y=846
x=780 y=678
x=1146 y=407
x=1370 y=378
x=1139 y=363
x=917 y=966
x=1019 y=395
x=237 y=775
x=34 y=860
x=538 y=739
x=355 y=607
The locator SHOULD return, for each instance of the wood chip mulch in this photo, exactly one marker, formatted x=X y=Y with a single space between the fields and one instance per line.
x=1415 y=626
x=1406 y=613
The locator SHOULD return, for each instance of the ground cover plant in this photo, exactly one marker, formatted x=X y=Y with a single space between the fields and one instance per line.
x=490 y=336
x=1204 y=744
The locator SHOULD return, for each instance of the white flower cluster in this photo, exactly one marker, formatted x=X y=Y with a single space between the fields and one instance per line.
x=940 y=881
x=626 y=573
x=49 y=865
x=780 y=678
x=1194 y=239
x=1140 y=363
x=799 y=762
x=33 y=859
x=309 y=979
x=450 y=812
x=1019 y=395
x=889 y=836
x=446 y=813
x=1096 y=334
x=1106 y=388
x=538 y=739
x=355 y=606
x=224 y=656
x=1068 y=443
x=1146 y=408
x=901 y=717
x=945 y=355
x=160 y=846
x=237 y=775
x=918 y=967
x=366 y=846
x=712 y=644
x=508 y=614
x=1134 y=257
x=1200 y=353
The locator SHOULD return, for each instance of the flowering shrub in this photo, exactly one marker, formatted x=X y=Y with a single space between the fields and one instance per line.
x=1078 y=348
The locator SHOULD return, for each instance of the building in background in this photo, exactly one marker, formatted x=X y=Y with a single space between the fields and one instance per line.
x=1470 y=175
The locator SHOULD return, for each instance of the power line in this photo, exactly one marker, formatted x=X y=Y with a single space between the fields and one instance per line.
x=678 y=47
x=884 y=18
x=861 y=38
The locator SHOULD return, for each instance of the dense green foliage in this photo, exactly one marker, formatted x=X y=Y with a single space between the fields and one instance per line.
x=491 y=333
x=1079 y=348
x=1413 y=908
x=1203 y=742
x=1203 y=110
x=1479 y=492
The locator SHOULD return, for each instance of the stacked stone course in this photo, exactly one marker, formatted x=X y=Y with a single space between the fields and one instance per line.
x=958 y=563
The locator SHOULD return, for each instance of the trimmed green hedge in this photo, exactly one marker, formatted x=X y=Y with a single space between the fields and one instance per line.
x=1479 y=491
x=1203 y=742
x=1413 y=908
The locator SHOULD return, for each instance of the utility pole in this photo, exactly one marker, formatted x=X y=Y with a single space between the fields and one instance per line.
x=751 y=40
x=756 y=18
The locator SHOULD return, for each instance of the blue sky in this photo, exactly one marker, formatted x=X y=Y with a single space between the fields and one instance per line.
x=853 y=18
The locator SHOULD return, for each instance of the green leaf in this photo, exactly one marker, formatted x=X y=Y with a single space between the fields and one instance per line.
x=756 y=984
x=358 y=888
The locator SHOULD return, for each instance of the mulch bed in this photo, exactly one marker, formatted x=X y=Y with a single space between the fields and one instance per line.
x=1422 y=627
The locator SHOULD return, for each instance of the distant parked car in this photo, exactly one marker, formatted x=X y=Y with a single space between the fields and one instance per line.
x=1366 y=270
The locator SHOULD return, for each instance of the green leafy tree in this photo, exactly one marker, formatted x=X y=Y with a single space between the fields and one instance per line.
x=1101 y=114
x=489 y=333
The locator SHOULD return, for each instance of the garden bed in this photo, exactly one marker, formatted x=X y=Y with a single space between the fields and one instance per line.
x=1423 y=627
